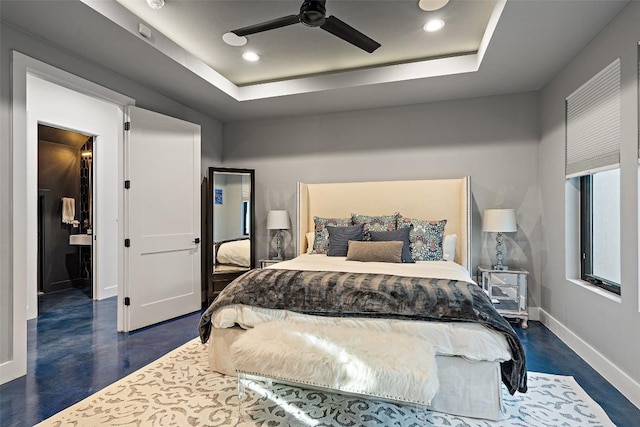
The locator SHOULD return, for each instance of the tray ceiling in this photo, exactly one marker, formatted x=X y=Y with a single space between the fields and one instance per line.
x=299 y=51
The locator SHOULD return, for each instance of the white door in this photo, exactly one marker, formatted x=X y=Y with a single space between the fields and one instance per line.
x=162 y=219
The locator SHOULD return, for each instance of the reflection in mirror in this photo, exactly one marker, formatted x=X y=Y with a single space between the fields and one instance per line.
x=232 y=228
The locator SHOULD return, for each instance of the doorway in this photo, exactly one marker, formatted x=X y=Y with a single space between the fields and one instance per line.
x=70 y=113
x=65 y=210
x=47 y=95
x=64 y=109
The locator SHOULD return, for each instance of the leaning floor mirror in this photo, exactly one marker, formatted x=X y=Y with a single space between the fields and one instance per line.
x=231 y=226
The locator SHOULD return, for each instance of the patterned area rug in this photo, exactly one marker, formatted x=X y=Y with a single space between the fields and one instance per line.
x=179 y=390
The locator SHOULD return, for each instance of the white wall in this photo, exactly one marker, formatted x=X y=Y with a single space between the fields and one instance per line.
x=603 y=330
x=492 y=139
x=227 y=217
x=6 y=294
x=14 y=39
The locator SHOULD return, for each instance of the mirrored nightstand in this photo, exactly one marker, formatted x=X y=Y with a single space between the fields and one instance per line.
x=265 y=262
x=507 y=290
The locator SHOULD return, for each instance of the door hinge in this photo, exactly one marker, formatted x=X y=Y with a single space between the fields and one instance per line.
x=127 y=184
x=127 y=243
x=127 y=301
x=127 y=125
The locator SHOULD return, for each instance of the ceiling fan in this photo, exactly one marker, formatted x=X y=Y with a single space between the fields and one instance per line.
x=313 y=14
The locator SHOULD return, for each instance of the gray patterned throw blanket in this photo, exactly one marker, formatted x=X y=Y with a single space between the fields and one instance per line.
x=340 y=294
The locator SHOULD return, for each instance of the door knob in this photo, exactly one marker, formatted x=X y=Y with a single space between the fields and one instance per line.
x=197 y=240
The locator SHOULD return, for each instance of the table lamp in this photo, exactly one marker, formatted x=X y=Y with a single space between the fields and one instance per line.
x=278 y=220
x=499 y=221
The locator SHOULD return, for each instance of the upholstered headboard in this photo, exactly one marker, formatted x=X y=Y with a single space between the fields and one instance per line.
x=434 y=199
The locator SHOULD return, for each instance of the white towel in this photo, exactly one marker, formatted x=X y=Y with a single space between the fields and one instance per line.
x=68 y=210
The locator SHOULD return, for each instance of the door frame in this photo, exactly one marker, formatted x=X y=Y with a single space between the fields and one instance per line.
x=22 y=65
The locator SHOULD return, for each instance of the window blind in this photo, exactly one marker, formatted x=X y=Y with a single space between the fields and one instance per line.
x=593 y=124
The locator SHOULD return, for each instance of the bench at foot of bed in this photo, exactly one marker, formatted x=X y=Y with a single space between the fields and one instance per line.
x=381 y=365
x=464 y=387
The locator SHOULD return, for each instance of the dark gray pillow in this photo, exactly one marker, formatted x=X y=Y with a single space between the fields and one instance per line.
x=339 y=238
x=401 y=235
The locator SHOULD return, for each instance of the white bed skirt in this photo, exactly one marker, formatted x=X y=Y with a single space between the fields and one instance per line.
x=467 y=388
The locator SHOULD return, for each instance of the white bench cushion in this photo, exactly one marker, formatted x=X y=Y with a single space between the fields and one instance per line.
x=380 y=364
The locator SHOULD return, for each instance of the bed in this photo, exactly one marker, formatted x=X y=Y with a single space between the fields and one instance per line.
x=234 y=254
x=471 y=359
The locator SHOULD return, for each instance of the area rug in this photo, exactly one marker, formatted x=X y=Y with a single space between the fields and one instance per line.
x=180 y=390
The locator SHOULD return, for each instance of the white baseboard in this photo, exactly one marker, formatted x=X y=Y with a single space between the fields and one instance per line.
x=623 y=382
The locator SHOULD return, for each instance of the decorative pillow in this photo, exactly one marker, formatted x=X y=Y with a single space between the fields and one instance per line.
x=426 y=238
x=321 y=239
x=339 y=238
x=310 y=236
x=375 y=251
x=401 y=235
x=449 y=247
x=376 y=223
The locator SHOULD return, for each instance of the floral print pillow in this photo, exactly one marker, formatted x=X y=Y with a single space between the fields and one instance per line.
x=321 y=239
x=426 y=238
x=375 y=223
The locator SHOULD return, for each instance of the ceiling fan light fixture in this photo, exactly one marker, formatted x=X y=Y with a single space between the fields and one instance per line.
x=233 y=40
x=155 y=4
x=434 y=25
x=313 y=14
x=431 y=5
x=251 y=56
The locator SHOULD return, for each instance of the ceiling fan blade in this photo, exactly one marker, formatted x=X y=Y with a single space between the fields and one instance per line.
x=269 y=25
x=349 y=34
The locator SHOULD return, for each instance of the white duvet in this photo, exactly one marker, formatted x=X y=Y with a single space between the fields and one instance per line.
x=472 y=341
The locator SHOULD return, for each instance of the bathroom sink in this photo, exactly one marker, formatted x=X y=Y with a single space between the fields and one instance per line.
x=80 y=239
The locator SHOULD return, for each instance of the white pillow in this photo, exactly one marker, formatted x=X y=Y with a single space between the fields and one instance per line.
x=449 y=247
x=237 y=252
x=310 y=237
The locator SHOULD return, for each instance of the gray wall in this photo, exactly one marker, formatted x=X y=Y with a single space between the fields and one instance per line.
x=13 y=39
x=492 y=139
x=608 y=326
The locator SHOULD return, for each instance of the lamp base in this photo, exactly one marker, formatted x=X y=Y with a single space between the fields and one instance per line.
x=500 y=267
x=279 y=252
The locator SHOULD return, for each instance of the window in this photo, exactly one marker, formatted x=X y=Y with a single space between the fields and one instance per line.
x=593 y=157
x=600 y=229
x=246 y=218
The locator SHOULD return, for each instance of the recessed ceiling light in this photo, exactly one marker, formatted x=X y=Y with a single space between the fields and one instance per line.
x=434 y=25
x=155 y=4
x=431 y=5
x=250 y=56
x=233 y=40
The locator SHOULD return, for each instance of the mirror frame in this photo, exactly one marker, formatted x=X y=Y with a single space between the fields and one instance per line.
x=252 y=208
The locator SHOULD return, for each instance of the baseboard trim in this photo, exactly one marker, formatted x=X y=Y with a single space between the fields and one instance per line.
x=623 y=382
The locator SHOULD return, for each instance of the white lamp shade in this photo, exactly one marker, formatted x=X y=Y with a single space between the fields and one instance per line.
x=499 y=221
x=278 y=220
